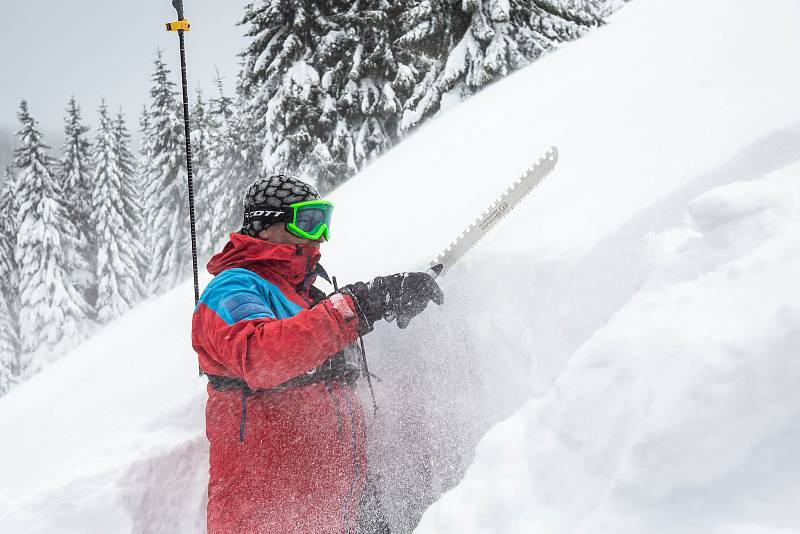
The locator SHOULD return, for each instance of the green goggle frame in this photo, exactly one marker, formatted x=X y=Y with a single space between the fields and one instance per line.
x=311 y=219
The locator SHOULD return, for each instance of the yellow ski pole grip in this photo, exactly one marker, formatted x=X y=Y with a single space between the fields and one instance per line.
x=178 y=25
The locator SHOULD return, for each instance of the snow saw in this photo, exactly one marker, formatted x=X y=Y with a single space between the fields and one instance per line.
x=501 y=207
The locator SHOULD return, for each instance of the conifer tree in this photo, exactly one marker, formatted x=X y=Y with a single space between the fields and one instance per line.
x=52 y=312
x=75 y=177
x=75 y=166
x=131 y=198
x=210 y=190
x=9 y=341
x=233 y=165
x=201 y=132
x=146 y=145
x=8 y=239
x=144 y=169
x=281 y=88
x=327 y=86
x=165 y=187
x=9 y=348
x=366 y=78
x=319 y=81
x=114 y=220
x=475 y=42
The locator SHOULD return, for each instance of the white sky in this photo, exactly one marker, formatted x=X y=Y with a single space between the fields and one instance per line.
x=51 y=49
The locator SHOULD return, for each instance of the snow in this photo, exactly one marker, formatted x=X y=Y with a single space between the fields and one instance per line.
x=680 y=413
x=632 y=325
x=303 y=75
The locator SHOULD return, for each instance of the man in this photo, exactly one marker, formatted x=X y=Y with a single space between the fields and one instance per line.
x=286 y=432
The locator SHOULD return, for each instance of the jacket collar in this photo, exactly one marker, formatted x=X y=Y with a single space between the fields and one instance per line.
x=293 y=265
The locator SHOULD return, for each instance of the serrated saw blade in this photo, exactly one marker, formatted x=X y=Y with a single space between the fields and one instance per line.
x=532 y=177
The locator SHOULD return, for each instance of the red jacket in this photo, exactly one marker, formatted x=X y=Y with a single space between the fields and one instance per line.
x=288 y=460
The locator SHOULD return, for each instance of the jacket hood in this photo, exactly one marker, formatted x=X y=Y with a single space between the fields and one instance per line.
x=297 y=264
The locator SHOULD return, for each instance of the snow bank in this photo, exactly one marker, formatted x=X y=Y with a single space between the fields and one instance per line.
x=576 y=299
x=110 y=438
x=681 y=413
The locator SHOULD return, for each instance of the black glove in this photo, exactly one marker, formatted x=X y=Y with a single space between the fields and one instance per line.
x=402 y=295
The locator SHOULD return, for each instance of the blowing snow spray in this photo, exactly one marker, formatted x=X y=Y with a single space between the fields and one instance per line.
x=182 y=25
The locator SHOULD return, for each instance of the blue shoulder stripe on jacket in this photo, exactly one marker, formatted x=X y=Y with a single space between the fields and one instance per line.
x=245 y=306
x=240 y=295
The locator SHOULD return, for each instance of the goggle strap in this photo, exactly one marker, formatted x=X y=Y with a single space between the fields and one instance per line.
x=268 y=215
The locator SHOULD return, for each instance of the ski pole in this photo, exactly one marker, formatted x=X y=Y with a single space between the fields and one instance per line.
x=180 y=26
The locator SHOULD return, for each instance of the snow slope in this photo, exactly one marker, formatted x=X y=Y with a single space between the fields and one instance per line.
x=637 y=315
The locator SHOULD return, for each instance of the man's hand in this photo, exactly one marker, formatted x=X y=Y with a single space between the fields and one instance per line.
x=402 y=295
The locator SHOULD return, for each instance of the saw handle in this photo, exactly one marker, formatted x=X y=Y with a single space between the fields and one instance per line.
x=435 y=270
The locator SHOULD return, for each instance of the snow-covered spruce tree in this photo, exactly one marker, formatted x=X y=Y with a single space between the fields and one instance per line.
x=321 y=83
x=209 y=189
x=164 y=184
x=52 y=312
x=431 y=29
x=366 y=78
x=75 y=167
x=131 y=196
x=8 y=239
x=233 y=165
x=326 y=83
x=144 y=169
x=75 y=177
x=500 y=37
x=200 y=130
x=281 y=88
x=146 y=146
x=9 y=341
x=114 y=219
x=201 y=126
x=9 y=348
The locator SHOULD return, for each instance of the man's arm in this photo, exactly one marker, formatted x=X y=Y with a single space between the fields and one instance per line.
x=252 y=344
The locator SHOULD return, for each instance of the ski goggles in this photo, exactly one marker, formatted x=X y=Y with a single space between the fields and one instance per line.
x=310 y=219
